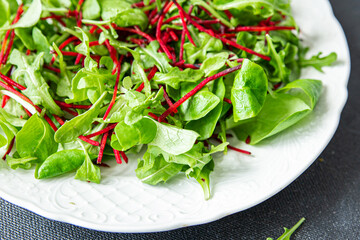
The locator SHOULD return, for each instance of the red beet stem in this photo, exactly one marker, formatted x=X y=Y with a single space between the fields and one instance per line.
x=170 y=19
x=117 y=156
x=12 y=82
x=4 y=101
x=11 y=145
x=115 y=88
x=227 y=100
x=168 y=100
x=195 y=90
x=261 y=29
x=67 y=105
x=107 y=129
x=158 y=31
x=141 y=4
x=112 y=51
x=67 y=41
x=123 y=155
x=239 y=150
x=149 y=77
x=181 y=55
x=182 y=16
x=102 y=147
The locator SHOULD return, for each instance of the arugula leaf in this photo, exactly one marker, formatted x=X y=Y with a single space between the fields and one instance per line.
x=13 y=120
x=36 y=139
x=7 y=132
x=159 y=59
x=41 y=44
x=30 y=17
x=318 y=62
x=60 y=163
x=79 y=125
x=249 y=91
x=37 y=88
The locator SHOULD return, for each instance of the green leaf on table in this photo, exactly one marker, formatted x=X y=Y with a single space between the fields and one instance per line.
x=24 y=163
x=79 y=125
x=249 y=91
x=36 y=139
x=29 y=18
x=127 y=136
x=60 y=163
x=288 y=232
x=281 y=110
x=36 y=87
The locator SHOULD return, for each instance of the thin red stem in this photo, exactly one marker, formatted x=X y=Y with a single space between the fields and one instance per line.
x=67 y=105
x=261 y=29
x=67 y=41
x=107 y=129
x=149 y=77
x=182 y=16
x=11 y=145
x=102 y=147
x=158 y=31
x=227 y=100
x=123 y=155
x=112 y=102
x=12 y=82
x=117 y=156
x=195 y=90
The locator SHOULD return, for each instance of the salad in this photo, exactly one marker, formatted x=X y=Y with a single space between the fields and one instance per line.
x=85 y=82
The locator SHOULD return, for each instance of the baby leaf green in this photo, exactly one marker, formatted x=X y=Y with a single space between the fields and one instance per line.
x=36 y=139
x=249 y=91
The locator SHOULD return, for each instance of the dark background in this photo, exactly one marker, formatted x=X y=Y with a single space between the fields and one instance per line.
x=327 y=194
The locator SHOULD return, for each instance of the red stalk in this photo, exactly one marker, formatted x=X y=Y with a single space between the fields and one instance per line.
x=182 y=16
x=158 y=31
x=141 y=4
x=67 y=41
x=181 y=55
x=149 y=77
x=107 y=129
x=117 y=156
x=9 y=149
x=78 y=58
x=170 y=19
x=12 y=82
x=102 y=147
x=5 y=99
x=261 y=29
x=112 y=51
x=59 y=19
x=93 y=29
x=227 y=100
x=67 y=105
x=248 y=140
x=123 y=155
x=136 y=31
x=168 y=100
x=70 y=111
x=9 y=47
x=61 y=122
x=228 y=14
x=173 y=35
x=115 y=88
x=195 y=90
x=239 y=150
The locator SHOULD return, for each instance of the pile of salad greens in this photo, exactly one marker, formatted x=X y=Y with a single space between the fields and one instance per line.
x=82 y=82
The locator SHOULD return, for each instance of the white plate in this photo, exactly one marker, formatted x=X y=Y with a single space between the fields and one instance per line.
x=121 y=203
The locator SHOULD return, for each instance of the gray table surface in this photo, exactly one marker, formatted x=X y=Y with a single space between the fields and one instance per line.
x=327 y=194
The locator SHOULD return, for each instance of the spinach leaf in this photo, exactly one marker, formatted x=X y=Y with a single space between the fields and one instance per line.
x=26 y=38
x=91 y=9
x=214 y=63
x=36 y=139
x=37 y=88
x=127 y=136
x=205 y=126
x=249 y=91
x=30 y=17
x=24 y=163
x=60 y=163
x=282 y=110
x=79 y=125
x=7 y=132
x=13 y=120
x=4 y=12
x=198 y=105
x=41 y=44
